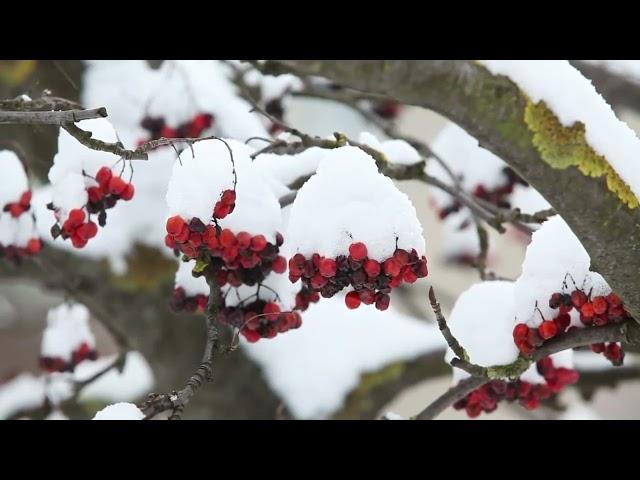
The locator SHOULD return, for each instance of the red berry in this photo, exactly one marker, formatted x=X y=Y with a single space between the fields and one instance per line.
x=195 y=239
x=279 y=265
x=547 y=329
x=521 y=331
x=391 y=267
x=614 y=300
x=95 y=194
x=15 y=209
x=227 y=238
x=352 y=299
x=578 y=298
x=25 y=199
x=555 y=301
x=77 y=241
x=587 y=310
x=599 y=305
x=563 y=320
x=87 y=231
x=271 y=310
x=128 y=192
x=169 y=241
x=258 y=243
x=175 y=225
x=401 y=256
x=367 y=296
x=327 y=267
x=598 y=347
x=228 y=197
x=103 y=177
x=279 y=239
x=358 y=251
x=183 y=236
x=318 y=281
x=117 y=186
x=252 y=336
x=209 y=237
x=34 y=245
x=525 y=347
x=382 y=301
x=168 y=132
x=244 y=240
x=408 y=275
x=76 y=217
x=372 y=268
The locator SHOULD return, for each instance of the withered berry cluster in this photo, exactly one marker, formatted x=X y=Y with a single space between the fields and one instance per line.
x=259 y=319
x=497 y=196
x=57 y=364
x=597 y=311
x=158 y=128
x=486 y=398
x=181 y=301
x=372 y=281
x=110 y=189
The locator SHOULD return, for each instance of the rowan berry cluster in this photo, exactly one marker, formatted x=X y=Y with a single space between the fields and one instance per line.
x=597 y=311
x=232 y=259
x=158 y=128
x=16 y=254
x=372 y=281
x=15 y=209
x=58 y=364
x=486 y=398
x=78 y=226
x=259 y=319
x=181 y=301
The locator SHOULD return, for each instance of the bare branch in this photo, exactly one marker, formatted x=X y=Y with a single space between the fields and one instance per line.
x=51 y=118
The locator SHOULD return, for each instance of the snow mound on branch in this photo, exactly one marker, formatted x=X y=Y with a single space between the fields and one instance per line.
x=17 y=231
x=58 y=387
x=120 y=411
x=273 y=86
x=554 y=256
x=396 y=151
x=177 y=91
x=573 y=98
x=314 y=368
x=482 y=322
x=200 y=177
x=280 y=171
x=528 y=200
x=133 y=383
x=24 y=392
x=56 y=415
x=14 y=179
x=192 y=285
x=347 y=201
x=67 y=328
x=393 y=416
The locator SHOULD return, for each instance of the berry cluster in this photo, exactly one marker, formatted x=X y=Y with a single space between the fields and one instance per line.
x=372 y=281
x=15 y=254
x=233 y=259
x=16 y=209
x=225 y=205
x=58 y=364
x=597 y=311
x=180 y=301
x=388 y=109
x=497 y=196
x=102 y=197
x=158 y=128
x=486 y=398
x=259 y=319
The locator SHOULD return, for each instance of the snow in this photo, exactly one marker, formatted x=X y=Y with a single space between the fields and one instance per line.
x=133 y=383
x=120 y=411
x=588 y=361
x=192 y=286
x=396 y=151
x=393 y=416
x=59 y=387
x=350 y=201
x=198 y=181
x=482 y=321
x=272 y=86
x=17 y=231
x=313 y=368
x=460 y=241
x=24 y=392
x=14 y=179
x=56 y=415
x=573 y=98
x=553 y=253
x=528 y=200
x=67 y=328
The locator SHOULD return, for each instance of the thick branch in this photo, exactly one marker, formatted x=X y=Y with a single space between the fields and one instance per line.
x=491 y=108
x=51 y=118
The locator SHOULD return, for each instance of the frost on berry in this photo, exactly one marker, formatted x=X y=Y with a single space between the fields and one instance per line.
x=365 y=236
x=67 y=339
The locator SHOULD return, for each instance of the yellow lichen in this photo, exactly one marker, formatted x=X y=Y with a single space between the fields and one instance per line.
x=563 y=147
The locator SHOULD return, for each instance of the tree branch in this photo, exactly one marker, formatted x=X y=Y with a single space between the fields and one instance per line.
x=491 y=108
x=51 y=118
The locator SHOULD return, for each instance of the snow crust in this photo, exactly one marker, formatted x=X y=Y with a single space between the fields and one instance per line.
x=14 y=180
x=396 y=151
x=120 y=411
x=67 y=328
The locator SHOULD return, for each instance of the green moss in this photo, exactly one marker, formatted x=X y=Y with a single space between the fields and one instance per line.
x=512 y=370
x=563 y=147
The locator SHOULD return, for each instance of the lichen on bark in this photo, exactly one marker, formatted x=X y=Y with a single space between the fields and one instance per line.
x=563 y=147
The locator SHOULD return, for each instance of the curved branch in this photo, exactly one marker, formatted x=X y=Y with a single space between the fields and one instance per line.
x=491 y=108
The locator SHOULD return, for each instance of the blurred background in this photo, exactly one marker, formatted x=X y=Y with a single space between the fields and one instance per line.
x=259 y=382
